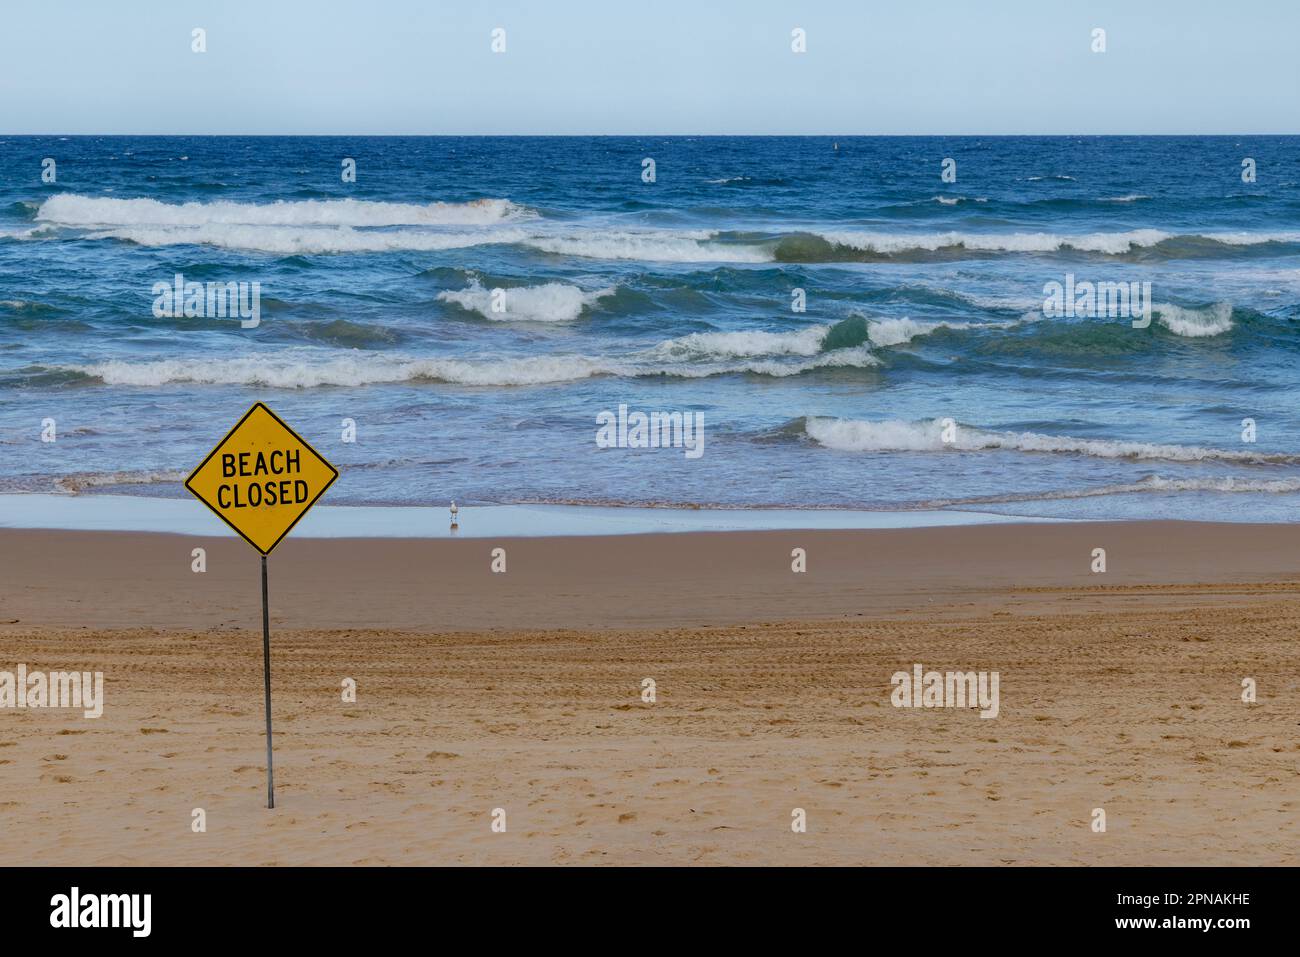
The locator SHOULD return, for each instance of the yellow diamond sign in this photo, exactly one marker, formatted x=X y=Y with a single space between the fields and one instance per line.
x=261 y=478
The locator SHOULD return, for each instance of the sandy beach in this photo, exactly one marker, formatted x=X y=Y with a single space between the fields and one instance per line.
x=522 y=691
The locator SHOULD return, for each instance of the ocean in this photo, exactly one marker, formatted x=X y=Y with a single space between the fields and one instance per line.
x=849 y=328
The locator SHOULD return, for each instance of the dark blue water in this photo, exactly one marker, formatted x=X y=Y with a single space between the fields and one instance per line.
x=923 y=371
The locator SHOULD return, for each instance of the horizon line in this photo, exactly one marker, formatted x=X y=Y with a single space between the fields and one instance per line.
x=845 y=136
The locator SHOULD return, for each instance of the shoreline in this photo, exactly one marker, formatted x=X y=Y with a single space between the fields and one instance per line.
x=185 y=516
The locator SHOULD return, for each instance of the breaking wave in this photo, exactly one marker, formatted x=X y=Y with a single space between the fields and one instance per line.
x=651 y=246
x=348 y=225
x=896 y=435
x=89 y=211
x=549 y=302
x=289 y=241
x=1194 y=323
x=298 y=372
x=866 y=246
x=855 y=332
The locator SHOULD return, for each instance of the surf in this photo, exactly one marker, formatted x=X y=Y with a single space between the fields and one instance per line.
x=948 y=436
x=89 y=211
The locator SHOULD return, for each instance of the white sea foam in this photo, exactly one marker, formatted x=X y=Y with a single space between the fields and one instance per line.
x=549 y=302
x=856 y=357
x=90 y=211
x=856 y=435
x=348 y=225
x=298 y=372
x=649 y=246
x=760 y=353
x=897 y=332
x=705 y=246
x=808 y=341
x=23 y=232
x=305 y=369
x=306 y=240
x=684 y=246
x=800 y=342
x=893 y=243
x=1253 y=239
x=1195 y=323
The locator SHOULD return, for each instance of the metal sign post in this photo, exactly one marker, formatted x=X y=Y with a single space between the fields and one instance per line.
x=260 y=480
x=266 y=673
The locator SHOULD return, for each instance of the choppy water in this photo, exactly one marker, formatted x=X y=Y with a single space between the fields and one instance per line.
x=924 y=303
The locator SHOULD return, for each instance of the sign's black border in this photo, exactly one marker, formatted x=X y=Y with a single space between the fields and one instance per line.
x=235 y=428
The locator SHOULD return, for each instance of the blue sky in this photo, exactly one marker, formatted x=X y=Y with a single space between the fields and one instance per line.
x=662 y=66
